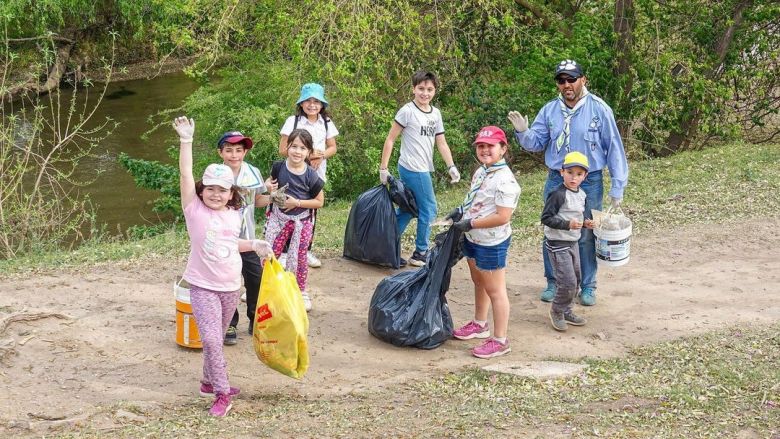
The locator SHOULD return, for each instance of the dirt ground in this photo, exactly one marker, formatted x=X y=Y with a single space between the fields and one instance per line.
x=117 y=344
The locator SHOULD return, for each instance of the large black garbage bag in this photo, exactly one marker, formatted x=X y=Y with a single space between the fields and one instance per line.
x=410 y=308
x=402 y=196
x=372 y=229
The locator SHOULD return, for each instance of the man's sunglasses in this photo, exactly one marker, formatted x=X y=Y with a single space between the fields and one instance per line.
x=570 y=80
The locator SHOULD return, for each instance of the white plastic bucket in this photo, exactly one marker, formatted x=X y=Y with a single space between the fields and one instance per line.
x=613 y=247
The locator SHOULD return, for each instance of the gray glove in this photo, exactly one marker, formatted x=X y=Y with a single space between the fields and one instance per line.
x=262 y=248
x=185 y=128
x=278 y=197
x=454 y=174
x=463 y=225
x=383 y=174
x=519 y=121
x=615 y=202
x=455 y=215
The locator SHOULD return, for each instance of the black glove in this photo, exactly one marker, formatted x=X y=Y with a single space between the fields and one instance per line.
x=463 y=225
x=455 y=215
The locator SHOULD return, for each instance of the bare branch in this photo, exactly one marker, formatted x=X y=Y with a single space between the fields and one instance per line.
x=53 y=37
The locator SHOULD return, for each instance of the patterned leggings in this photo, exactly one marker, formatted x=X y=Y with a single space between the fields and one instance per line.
x=302 y=271
x=213 y=310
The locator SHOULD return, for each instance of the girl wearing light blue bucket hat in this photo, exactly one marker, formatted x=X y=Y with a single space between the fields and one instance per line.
x=312 y=115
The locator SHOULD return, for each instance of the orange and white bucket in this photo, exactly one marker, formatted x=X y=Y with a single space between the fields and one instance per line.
x=187 y=334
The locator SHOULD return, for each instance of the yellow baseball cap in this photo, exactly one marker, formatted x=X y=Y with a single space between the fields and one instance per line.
x=575 y=158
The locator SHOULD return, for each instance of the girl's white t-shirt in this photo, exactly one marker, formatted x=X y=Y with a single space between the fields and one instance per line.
x=318 y=135
x=500 y=188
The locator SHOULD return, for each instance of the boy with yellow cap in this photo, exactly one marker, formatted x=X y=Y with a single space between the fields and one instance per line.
x=563 y=219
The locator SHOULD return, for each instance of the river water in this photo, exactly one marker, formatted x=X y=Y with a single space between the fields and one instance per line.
x=119 y=202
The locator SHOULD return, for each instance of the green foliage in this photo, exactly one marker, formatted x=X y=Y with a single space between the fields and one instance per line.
x=492 y=56
x=689 y=83
x=156 y=176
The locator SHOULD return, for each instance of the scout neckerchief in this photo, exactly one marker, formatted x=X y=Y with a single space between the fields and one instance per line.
x=479 y=177
x=248 y=177
x=564 y=139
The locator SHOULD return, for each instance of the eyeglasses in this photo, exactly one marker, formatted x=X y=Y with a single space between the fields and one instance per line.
x=570 y=80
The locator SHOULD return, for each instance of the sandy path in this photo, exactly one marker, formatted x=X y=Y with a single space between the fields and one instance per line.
x=119 y=345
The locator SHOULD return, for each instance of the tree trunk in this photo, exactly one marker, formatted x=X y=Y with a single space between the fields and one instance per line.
x=624 y=28
x=54 y=75
x=689 y=124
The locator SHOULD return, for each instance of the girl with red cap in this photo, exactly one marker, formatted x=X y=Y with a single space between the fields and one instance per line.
x=484 y=216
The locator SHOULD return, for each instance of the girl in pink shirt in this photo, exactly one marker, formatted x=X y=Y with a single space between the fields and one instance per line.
x=214 y=266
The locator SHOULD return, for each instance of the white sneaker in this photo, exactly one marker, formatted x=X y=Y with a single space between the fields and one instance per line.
x=306 y=301
x=312 y=260
x=283 y=259
x=243 y=297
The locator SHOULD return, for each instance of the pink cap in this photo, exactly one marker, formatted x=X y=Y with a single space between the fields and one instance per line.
x=218 y=175
x=491 y=135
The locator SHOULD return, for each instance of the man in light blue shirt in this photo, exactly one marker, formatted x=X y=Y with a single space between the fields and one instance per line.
x=576 y=121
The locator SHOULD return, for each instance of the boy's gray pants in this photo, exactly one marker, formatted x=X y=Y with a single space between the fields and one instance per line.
x=565 y=262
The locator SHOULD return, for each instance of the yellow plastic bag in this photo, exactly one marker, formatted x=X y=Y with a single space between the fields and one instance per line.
x=281 y=324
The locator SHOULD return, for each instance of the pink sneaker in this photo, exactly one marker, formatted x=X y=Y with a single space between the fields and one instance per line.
x=471 y=330
x=221 y=406
x=491 y=348
x=207 y=390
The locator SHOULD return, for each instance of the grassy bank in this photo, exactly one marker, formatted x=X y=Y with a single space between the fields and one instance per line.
x=722 y=384
x=717 y=184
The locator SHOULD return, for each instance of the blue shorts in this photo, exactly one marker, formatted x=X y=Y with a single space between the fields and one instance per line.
x=487 y=258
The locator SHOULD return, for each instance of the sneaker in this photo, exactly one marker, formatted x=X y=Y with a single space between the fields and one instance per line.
x=471 y=330
x=588 y=296
x=221 y=406
x=231 y=337
x=306 y=301
x=558 y=321
x=207 y=390
x=548 y=294
x=491 y=348
x=403 y=263
x=243 y=297
x=574 y=319
x=418 y=259
x=312 y=260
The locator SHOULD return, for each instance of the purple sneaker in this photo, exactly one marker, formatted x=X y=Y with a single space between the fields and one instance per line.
x=491 y=348
x=221 y=406
x=471 y=330
x=207 y=390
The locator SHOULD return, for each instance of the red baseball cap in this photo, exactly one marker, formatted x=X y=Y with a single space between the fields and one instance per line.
x=491 y=135
x=235 y=137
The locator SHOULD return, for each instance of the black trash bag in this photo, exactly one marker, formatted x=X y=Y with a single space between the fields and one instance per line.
x=410 y=308
x=372 y=230
x=402 y=196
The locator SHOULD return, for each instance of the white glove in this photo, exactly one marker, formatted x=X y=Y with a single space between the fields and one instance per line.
x=615 y=202
x=519 y=121
x=185 y=128
x=262 y=248
x=454 y=174
x=383 y=174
